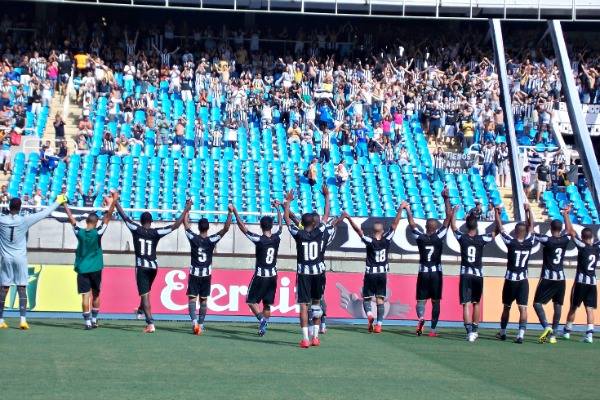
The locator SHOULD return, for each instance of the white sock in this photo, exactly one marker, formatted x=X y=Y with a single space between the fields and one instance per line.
x=590 y=329
x=380 y=323
x=23 y=319
x=323 y=326
x=88 y=322
x=194 y=321
x=521 y=333
x=94 y=320
x=305 y=333
x=316 y=331
x=569 y=326
x=370 y=314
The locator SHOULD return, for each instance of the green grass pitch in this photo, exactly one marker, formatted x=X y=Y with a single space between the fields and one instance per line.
x=57 y=359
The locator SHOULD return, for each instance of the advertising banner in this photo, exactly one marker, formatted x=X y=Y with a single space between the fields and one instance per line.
x=52 y=288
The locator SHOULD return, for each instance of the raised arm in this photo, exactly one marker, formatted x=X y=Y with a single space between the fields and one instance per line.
x=568 y=224
x=409 y=216
x=227 y=225
x=108 y=214
x=32 y=219
x=186 y=210
x=121 y=212
x=239 y=221
x=453 y=219
x=449 y=212
x=499 y=227
x=530 y=218
x=353 y=224
x=325 y=191
x=70 y=216
x=289 y=196
x=279 y=216
x=396 y=221
x=186 y=222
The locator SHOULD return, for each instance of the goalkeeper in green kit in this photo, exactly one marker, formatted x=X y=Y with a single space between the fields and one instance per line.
x=89 y=261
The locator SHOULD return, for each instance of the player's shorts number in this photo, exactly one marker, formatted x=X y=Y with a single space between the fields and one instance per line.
x=471 y=253
x=270 y=255
x=145 y=247
x=380 y=256
x=521 y=257
x=558 y=253
x=592 y=262
x=311 y=250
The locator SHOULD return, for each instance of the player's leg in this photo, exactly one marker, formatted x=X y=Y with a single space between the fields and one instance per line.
x=557 y=302
x=267 y=295
x=476 y=293
x=192 y=306
x=576 y=300
x=543 y=294
x=380 y=293
x=96 y=281
x=253 y=297
x=85 y=307
x=21 y=276
x=422 y=295
x=368 y=293
x=323 y=324
x=303 y=299
x=3 y=293
x=508 y=297
x=590 y=302
x=317 y=286
x=464 y=294
x=145 y=278
x=436 y=297
x=522 y=297
x=202 y=311
x=476 y=318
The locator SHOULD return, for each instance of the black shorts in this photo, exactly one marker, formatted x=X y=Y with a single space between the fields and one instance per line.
x=199 y=286
x=515 y=291
x=309 y=288
x=429 y=285
x=374 y=285
x=262 y=288
x=470 y=288
x=89 y=281
x=548 y=289
x=144 y=277
x=586 y=294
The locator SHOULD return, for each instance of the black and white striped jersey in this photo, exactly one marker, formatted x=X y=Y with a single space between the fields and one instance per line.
x=518 y=256
x=588 y=259
x=377 y=252
x=471 y=252
x=554 y=248
x=202 y=252
x=145 y=241
x=267 y=248
x=430 y=249
x=309 y=245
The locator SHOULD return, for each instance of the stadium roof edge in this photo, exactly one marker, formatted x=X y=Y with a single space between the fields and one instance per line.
x=524 y=10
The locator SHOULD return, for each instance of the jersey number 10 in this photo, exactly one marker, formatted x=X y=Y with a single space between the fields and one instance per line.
x=311 y=250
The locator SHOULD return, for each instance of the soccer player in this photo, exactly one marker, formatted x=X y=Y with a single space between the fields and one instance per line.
x=430 y=278
x=377 y=267
x=471 y=271
x=145 y=241
x=584 y=289
x=516 y=284
x=202 y=248
x=552 y=280
x=310 y=267
x=13 y=253
x=89 y=260
x=263 y=285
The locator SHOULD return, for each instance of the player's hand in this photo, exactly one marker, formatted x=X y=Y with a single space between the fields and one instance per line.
x=456 y=208
x=289 y=196
x=567 y=209
x=115 y=195
x=230 y=208
x=61 y=199
x=276 y=203
x=526 y=206
x=188 y=204
x=445 y=192
x=325 y=190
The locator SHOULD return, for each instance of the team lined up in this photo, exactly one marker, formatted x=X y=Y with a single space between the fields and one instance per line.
x=312 y=235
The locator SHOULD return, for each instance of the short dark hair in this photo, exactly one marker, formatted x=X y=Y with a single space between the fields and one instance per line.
x=307 y=219
x=146 y=218
x=471 y=222
x=556 y=225
x=14 y=204
x=519 y=226
x=92 y=218
x=266 y=223
x=587 y=234
x=203 y=225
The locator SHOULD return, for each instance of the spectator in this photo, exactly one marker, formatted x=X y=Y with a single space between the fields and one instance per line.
x=59 y=128
x=439 y=164
x=526 y=180
x=341 y=173
x=294 y=133
x=324 y=155
x=543 y=178
x=502 y=164
x=108 y=144
x=490 y=215
x=311 y=172
x=477 y=211
x=5 y=155
x=390 y=156
x=489 y=155
x=122 y=146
